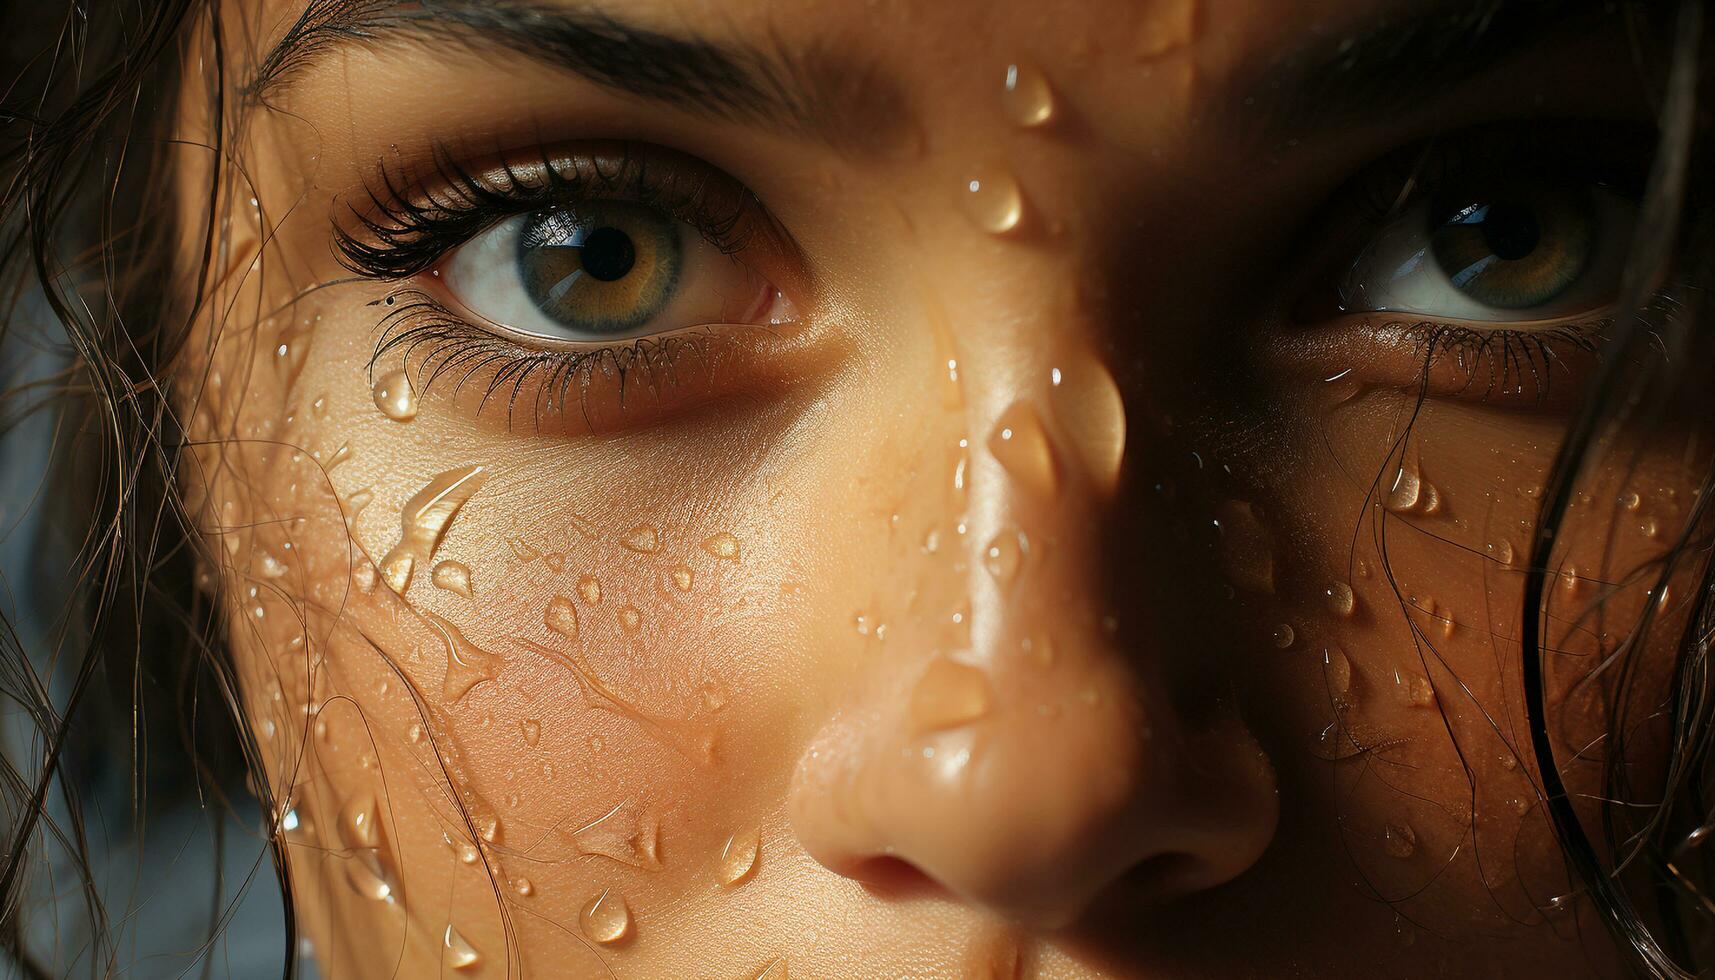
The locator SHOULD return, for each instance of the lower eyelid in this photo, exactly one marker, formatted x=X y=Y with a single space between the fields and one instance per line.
x=1531 y=367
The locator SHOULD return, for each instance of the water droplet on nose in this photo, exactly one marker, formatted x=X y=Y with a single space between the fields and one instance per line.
x=395 y=396
x=1341 y=600
x=424 y=521
x=1400 y=841
x=1020 y=444
x=589 y=590
x=1247 y=557
x=456 y=953
x=722 y=545
x=562 y=617
x=1005 y=554
x=1283 y=636
x=467 y=664
x=643 y=539
x=993 y=201
x=948 y=695
x=454 y=577
x=1087 y=402
x=630 y=619
x=532 y=730
x=606 y=918
x=1337 y=670
x=1026 y=96
x=738 y=857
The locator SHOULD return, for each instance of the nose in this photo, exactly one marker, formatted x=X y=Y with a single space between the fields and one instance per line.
x=1021 y=746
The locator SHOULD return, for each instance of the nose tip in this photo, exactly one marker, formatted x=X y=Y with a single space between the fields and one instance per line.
x=1031 y=798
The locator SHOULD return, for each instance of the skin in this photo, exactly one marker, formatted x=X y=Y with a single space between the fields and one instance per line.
x=1111 y=761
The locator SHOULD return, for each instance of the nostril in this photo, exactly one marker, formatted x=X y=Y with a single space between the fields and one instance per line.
x=895 y=878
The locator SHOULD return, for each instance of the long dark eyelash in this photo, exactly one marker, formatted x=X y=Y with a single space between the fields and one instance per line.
x=405 y=231
x=1504 y=360
x=436 y=344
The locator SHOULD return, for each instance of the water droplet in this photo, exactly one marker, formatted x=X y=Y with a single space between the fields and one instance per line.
x=1406 y=491
x=1501 y=551
x=1419 y=693
x=1337 y=670
x=1020 y=444
x=948 y=695
x=626 y=833
x=993 y=201
x=522 y=549
x=456 y=953
x=532 y=730
x=738 y=857
x=1509 y=762
x=467 y=664
x=605 y=919
x=1005 y=554
x=395 y=396
x=683 y=578
x=1087 y=402
x=1247 y=557
x=453 y=576
x=1632 y=501
x=1429 y=499
x=1400 y=840
x=1650 y=529
x=1341 y=600
x=562 y=617
x=630 y=619
x=523 y=887
x=555 y=561
x=1520 y=806
x=425 y=519
x=1026 y=96
x=714 y=696
x=589 y=590
x=722 y=545
x=1283 y=636
x=643 y=539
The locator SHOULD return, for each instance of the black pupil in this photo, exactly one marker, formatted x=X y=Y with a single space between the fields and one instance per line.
x=1511 y=230
x=607 y=254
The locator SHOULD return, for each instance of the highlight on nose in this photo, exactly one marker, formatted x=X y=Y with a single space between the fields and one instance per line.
x=1028 y=791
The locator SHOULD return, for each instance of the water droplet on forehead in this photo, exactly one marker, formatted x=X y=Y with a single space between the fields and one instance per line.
x=395 y=397
x=605 y=918
x=1026 y=96
x=993 y=201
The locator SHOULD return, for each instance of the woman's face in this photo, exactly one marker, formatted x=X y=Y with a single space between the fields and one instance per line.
x=920 y=489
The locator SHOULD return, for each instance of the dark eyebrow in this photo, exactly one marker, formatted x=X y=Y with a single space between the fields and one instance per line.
x=1394 y=62
x=817 y=89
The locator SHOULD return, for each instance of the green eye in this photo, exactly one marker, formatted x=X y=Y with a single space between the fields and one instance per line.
x=604 y=268
x=1515 y=251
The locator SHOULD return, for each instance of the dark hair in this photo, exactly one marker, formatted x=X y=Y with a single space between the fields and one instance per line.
x=128 y=643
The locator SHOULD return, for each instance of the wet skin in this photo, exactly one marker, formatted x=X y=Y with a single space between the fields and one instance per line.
x=1012 y=594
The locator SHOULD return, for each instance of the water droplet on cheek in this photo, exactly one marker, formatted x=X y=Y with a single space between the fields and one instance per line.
x=605 y=918
x=467 y=664
x=1026 y=96
x=395 y=396
x=425 y=519
x=993 y=201
x=738 y=857
x=643 y=539
x=948 y=695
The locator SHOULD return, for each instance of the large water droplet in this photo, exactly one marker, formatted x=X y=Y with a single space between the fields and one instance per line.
x=562 y=617
x=1005 y=554
x=1406 y=491
x=453 y=576
x=395 y=396
x=1087 y=402
x=1026 y=96
x=993 y=200
x=1020 y=443
x=1400 y=840
x=1337 y=670
x=1341 y=600
x=467 y=664
x=643 y=539
x=722 y=545
x=1283 y=636
x=606 y=918
x=456 y=952
x=589 y=590
x=949 y=694
x=425 y=519
x=738 y=857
